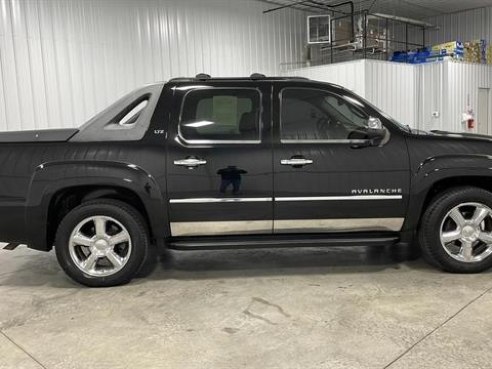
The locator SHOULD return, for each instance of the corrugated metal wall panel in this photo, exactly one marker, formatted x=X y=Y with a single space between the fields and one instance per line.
x=392 y=88
x=61 y=61
x=450 y=88
x=464 y=80
x=349 y=74
x=464 y=26
x=431 y=110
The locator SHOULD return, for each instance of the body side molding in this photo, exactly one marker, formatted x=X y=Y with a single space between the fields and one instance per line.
x=203 y=200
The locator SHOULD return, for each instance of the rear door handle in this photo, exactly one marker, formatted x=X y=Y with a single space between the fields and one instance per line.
x=296 y=162
x=190 y=162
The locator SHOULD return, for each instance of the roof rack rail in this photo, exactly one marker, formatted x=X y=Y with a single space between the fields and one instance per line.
x=256 y=76
x=179 y=79
x=203 y=76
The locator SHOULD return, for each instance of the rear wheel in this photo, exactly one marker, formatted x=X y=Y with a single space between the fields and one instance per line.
x=102 y=243
x=456 y=230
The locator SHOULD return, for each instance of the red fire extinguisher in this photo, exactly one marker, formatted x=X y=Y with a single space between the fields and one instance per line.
x=469 y=119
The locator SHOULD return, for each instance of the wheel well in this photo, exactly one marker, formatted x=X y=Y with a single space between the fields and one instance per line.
x=67 y=199
x=484 y=183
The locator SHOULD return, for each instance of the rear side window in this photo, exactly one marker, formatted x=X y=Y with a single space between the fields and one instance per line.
x=221 y=115
x=132 y=116
x=129 y=116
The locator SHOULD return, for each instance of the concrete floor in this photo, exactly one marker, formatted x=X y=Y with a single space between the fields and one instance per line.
x=298 y=308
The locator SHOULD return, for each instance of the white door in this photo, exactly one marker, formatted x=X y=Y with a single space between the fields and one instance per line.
x=483 y=112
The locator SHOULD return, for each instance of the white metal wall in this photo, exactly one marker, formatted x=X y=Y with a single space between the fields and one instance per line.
x=392 y=87
x=449 y=89
x=463 y=26
x=349 y=74
x=61 y=61
x=431 y=96
x=463 y=82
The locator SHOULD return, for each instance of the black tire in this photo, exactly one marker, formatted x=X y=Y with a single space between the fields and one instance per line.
x=429 y=232
x=129 y=217
x=149 y=264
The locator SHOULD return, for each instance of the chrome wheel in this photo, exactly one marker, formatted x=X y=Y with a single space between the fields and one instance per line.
x=100 y=246
x=466 y=232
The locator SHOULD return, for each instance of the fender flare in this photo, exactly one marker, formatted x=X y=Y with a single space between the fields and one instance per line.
x=439 y=168
x=51 y=177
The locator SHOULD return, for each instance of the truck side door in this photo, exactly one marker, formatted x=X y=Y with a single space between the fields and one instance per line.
x=323 y=180
x=219 y=159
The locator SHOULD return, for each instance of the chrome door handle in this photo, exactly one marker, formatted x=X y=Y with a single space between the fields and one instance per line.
x=296 y=161
x=190 y=162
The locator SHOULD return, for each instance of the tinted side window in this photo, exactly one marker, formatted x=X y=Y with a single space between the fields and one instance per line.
x=310 y=114
x=221 y=115
x=134 y=111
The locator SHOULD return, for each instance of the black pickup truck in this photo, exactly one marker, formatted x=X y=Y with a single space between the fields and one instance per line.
x=210 y=163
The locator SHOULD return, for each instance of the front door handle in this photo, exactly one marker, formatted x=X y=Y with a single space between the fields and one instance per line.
x=296 y=162
x=190 y=162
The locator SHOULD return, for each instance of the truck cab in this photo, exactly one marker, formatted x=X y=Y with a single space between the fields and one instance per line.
x=282 y=156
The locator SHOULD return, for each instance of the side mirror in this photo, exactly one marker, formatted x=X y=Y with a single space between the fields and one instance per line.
x=374 y=134
x=374 y=123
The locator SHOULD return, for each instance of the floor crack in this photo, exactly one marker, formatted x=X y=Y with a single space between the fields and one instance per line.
x=436 y=328
x=22 y=349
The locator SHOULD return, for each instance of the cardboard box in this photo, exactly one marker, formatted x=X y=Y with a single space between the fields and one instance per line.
x=453 y=49
x=475 y=51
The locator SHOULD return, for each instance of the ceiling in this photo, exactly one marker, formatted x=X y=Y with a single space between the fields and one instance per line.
x=417 y=9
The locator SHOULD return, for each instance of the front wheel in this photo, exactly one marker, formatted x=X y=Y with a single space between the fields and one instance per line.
x=102 y=243
x=456 y=230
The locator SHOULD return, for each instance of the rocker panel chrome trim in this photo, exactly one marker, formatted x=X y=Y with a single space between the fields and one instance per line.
x=337 y=225
x=221 y=228
x=237 y=227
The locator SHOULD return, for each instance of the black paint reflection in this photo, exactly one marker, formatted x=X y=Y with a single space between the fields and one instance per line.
x=230 y=177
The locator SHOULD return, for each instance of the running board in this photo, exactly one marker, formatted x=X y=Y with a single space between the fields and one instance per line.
x=11 y=246
x=277 y=241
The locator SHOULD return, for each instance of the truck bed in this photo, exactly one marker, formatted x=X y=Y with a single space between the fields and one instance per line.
x=45 y=135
